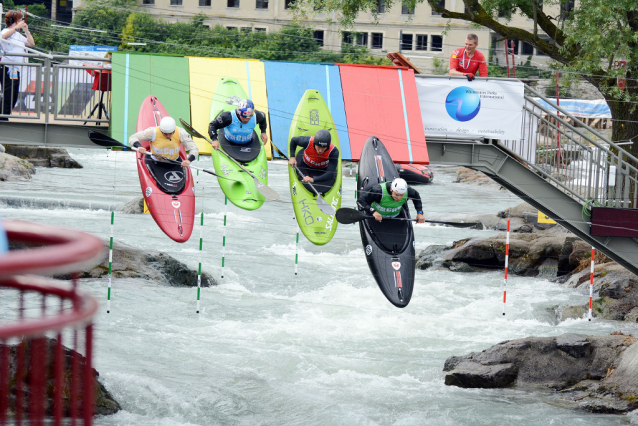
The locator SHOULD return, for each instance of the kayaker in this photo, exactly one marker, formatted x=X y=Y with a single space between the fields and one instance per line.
x=239 y=125
x=386 y=200
x=317 y=160
x=165 y=140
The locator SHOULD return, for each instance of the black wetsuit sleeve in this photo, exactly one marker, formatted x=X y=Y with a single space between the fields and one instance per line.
x=369 y=195
x=261 y=121
x=413 y=195
x=302 y=141
x=137 y=144
x=222 y=120
x=191 y=158
x=331 y=171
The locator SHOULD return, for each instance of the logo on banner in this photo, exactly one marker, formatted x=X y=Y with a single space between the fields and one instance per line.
x=463 y=103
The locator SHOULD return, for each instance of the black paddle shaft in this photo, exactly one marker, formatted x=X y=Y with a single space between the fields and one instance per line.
x=347 y=216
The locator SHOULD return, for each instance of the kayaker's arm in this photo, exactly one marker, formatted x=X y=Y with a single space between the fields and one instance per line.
x=297 y=141
x=414 y=195
x=263 y=125
x=144 y=135
x=331 y=170
x=222 y=120
x=369 y=195
x=189 y=145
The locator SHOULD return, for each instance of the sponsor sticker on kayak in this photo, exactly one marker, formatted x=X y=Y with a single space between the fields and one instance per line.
x=368 y=249
x=175 y=204
x=149 y=191
x=396 y=264
x=174 y=176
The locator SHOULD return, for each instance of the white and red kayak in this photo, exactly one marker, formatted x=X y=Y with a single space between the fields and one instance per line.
x=167 y=188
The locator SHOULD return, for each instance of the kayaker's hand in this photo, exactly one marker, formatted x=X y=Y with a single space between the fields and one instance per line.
x=215 y=145
x=264 y=138
x=141 y=150
x=187 y=163
x=308 y=179
x=420 y=218
x=292 y=161
x=377 y=216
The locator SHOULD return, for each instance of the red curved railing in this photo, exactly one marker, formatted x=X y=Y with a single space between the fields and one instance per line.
x=33 y=384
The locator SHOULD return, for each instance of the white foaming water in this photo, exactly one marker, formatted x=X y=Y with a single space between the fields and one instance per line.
x=324 y=347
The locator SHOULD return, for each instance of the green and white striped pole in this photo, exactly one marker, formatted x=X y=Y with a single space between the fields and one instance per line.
x=224 y=235
x=199 y=270
x=297 y=249
x=108 y=297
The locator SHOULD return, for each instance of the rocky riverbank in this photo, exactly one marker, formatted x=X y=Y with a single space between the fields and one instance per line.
x=41 y=156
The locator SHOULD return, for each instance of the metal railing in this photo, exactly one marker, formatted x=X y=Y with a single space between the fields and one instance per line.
x=575 y=157
x=40 y=379
x=58 y=88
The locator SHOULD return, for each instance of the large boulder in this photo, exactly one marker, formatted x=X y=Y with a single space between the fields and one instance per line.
x=133 y=206
x=596 y=373
x=44 y=156
x=15 y=169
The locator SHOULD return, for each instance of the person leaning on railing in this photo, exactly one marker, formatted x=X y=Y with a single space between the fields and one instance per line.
x=14 y=21
x=468 y=61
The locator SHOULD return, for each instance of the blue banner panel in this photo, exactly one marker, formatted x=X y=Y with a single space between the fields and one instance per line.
x=286 y=82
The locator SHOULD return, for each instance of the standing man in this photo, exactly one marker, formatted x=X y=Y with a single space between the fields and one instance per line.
x=385 y=200
x=468 y=61
x=317 y=160
x=11 y=41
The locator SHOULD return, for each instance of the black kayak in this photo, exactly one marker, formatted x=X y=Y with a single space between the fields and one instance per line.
x=415 y=174
x=388 y=245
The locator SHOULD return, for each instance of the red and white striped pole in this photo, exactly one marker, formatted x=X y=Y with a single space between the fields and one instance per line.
x=507 y=255
x=591 y=282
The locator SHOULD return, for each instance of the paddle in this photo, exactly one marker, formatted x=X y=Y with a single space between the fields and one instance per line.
x=321 y=202
x=264 y=189
x=347 y=215
x=108 y=142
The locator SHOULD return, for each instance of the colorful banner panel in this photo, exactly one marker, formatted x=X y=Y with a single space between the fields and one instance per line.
x=489 y=108
x=204 y=74
x=135 y=76
x=383 y=102
x=287 y=82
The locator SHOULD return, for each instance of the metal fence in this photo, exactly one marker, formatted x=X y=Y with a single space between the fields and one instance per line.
x=56 y=88
x=575 y=157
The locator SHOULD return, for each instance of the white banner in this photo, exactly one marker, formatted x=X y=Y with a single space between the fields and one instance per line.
x=453 y=107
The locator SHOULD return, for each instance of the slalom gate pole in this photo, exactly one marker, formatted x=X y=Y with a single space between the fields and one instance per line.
x=108 y=297
x=356 y=177
x=199 y=270
x=507 y=255
x=224 y=235
x=351 y=169
x=297 y=249
x=591 y=282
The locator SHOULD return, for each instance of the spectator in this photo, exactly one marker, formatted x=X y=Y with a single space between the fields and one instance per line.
x=468 y=61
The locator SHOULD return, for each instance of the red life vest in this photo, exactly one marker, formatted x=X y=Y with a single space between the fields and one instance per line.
x=314 y=159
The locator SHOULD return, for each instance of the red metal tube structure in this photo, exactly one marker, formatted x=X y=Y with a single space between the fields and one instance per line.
x=33 y=383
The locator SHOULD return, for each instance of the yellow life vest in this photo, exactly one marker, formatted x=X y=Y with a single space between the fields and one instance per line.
x=164 y=146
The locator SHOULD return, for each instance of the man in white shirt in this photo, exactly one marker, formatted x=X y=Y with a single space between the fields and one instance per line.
x=10 y=42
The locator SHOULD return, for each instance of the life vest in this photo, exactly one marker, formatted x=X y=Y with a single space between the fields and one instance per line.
x=388 y=207
x=239 y=132
x=166 y=147
x=315 y=160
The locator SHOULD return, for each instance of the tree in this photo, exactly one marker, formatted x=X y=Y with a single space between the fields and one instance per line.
x=586 y=40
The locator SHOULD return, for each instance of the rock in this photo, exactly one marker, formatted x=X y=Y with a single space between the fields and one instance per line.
x=2 y=149
x=15 y=169
x=474 y=177
x=595 y=373
x=134 y=206
x=105 y=404
x=129 y=262
x=430 y=256
x=44 y=156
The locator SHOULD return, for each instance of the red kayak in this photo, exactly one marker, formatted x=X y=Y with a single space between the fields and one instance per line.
x=415 y=173
x=167 y=188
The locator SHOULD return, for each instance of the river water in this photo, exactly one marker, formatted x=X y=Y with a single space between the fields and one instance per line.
x=320 y=348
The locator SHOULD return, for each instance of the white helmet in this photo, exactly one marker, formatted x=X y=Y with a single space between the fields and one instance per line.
x=167 y=125
x=399 y=186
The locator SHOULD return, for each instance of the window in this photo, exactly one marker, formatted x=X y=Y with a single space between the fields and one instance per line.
x=318 y=36
x=421 y=42
x=380 y=6
x=377 y=41
x=246 y=30
x=176 y=2
x=441 y=3
x=204 y=3
x=232 y=3
x=261 y=4
x=347 y=38
x=148 y=2
x=405 y=10
x=288 y=4
x=513 y=47
x=437 y=44
x=566 y=9
x=406 y=41
x=362 y=39
x=527 y=49
x=260 y=30
x=231 y=28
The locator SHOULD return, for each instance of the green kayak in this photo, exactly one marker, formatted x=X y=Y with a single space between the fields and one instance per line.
x=312 y=114
x=242 y=192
